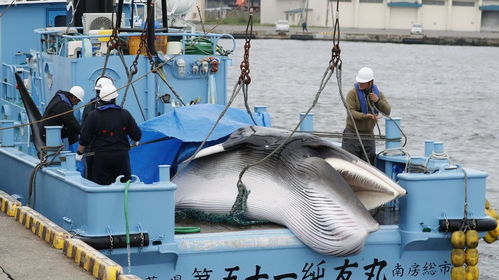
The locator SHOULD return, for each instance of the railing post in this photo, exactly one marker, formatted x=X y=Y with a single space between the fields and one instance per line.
x=392 y=133
x=53 y=136
x=70 y=161
x=428 y=148
x=308 y=122
x=438 y=147
x=164 y=173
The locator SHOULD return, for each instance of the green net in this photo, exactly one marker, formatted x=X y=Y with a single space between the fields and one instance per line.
x=235 y=217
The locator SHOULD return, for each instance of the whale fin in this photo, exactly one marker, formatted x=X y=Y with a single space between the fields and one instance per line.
x=34 y=115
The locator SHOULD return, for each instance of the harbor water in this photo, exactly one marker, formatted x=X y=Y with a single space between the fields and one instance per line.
x=441 y=93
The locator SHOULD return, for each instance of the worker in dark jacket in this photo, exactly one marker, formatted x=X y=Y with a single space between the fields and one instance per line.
x=57 y=113
x=99 y=83
x=108 y=129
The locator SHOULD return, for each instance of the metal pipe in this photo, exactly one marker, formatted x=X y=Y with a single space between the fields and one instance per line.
x=118 y=241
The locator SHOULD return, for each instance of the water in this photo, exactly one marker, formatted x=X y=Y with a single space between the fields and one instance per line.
x=442 y=93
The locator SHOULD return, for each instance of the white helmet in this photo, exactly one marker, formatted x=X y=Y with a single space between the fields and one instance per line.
x=102 y=81
x=108 y=92
x=78 y=92
x=365 y=75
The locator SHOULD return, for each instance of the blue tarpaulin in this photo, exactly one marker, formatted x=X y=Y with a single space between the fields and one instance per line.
x=188 y=127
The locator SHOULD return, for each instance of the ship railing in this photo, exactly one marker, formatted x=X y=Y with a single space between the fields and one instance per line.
x=54 y=41
x=9 y=91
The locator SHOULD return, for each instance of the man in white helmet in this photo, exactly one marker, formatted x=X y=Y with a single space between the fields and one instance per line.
x=364 y=102
x=58 y=113
x=99 y=83
x=108 y=129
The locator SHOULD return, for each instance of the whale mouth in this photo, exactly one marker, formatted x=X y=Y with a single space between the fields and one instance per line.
x=372 y=187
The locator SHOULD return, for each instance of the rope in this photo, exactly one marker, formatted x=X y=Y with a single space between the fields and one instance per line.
x=201 y=19
x=235 y=92
x=43 y=163
x=437 y=156
x=162 y=75
x=127 y=226
x=122 y=58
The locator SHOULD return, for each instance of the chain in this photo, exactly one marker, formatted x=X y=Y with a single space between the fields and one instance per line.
x=111 y=245
x=245 y=65
x=134 y=69
x=112 y=44
x=335 y=50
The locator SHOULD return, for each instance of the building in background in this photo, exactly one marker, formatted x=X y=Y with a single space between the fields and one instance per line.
x=449 y=15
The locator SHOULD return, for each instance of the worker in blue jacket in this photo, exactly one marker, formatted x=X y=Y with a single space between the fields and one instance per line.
x=59 y=113
x=107 y=130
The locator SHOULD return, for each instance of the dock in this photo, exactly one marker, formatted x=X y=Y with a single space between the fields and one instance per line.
x=24 y=256
x=400 y=36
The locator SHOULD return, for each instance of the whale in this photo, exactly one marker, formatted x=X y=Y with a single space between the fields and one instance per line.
x=320 y=192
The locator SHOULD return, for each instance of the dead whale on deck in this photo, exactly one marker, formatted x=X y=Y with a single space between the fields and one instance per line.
x=314 y=188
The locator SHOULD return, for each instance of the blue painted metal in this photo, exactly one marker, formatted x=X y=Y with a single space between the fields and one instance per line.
x=428 y=147
x=307 y=124
x=392 y=133
x=7 y=134
x=438 y=147
x=412 y=248
x=53 y=134
x=260 y=109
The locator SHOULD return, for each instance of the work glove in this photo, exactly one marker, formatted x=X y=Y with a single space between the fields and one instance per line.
x=79 y=157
